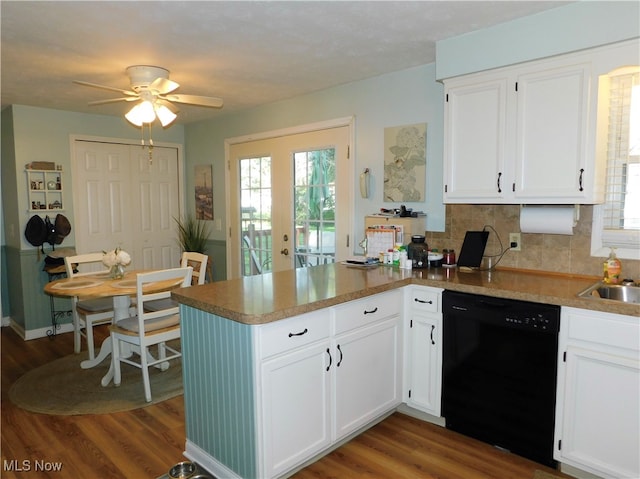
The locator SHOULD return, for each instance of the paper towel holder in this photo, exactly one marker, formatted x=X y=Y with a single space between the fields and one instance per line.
x=576 y=212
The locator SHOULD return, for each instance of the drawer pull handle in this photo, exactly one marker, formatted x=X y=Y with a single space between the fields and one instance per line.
x=422 y=301
x=339 y=360
x=374 y=310
x=300 y=333
x=330 y=360
x=432 y=328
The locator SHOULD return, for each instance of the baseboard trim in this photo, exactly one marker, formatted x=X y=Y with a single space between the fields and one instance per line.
x=28 y=335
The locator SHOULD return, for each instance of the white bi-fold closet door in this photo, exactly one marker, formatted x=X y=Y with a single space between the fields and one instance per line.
x=122 y=199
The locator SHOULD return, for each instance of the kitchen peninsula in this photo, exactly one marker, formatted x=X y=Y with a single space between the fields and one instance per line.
x=244 y=383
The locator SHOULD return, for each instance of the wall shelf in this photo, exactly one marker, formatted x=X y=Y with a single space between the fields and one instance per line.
x=44 y=191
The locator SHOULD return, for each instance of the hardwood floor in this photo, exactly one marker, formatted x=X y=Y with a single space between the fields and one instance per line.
x=144 y=443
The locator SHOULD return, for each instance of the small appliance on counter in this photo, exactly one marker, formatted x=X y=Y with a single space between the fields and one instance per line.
x=435 y=259
x=418 y=252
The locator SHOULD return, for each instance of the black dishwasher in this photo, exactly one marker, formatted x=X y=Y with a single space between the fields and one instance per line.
x=499 y=372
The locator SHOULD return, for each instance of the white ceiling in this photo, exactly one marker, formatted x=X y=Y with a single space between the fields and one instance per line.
x=248 y=53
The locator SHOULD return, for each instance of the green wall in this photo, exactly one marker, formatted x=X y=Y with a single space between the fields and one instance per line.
x=41 y=134
x=399 y=98
x=569 y=28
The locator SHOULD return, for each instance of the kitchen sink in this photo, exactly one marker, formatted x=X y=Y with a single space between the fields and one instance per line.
x=615 y=292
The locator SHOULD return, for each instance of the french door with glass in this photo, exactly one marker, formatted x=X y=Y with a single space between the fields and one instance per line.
x=289 y=201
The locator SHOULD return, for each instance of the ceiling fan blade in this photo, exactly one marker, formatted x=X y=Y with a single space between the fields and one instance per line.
x=196 y=100
x=104 y=87
x=168 y=104
x=113 y=100
x=163 y=85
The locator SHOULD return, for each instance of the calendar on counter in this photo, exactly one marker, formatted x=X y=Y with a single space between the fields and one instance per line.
x=380 y=240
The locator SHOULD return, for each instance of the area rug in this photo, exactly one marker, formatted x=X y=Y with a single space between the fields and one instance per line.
x=63 y=388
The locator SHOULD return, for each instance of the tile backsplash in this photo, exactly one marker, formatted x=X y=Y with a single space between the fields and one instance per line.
x=540 y=252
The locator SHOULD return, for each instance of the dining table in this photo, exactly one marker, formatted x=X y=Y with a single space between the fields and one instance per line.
x=101 y=285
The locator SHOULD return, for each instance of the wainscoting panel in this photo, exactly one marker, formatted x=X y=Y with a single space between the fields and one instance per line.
x=219 y=389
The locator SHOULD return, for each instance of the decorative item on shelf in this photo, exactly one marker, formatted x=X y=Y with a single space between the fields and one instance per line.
x=116 y=259
x=41 y=165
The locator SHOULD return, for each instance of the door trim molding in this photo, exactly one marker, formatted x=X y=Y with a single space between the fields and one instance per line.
x=348 y=121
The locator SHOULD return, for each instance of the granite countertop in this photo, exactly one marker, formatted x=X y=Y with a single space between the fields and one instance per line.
x=273 y=296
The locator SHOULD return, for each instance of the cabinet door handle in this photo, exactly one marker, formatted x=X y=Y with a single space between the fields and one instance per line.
x=499 y=187
x=433 y=326
x=339 y=360
x=300 y=333
x=374 y=310
x=422 y=301
x=580 y=180
x=330 y=359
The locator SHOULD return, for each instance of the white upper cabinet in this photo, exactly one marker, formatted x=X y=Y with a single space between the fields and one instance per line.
x=551 y=156
x=475 y=136
x=528 y=133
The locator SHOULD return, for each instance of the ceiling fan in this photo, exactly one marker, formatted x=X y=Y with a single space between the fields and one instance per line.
x=153 y=92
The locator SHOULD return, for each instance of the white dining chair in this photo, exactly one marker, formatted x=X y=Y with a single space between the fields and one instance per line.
x=198 y=262
x=87 y=313
x=149 y=328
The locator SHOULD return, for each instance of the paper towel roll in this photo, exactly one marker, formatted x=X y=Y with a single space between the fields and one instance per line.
x=558 y=220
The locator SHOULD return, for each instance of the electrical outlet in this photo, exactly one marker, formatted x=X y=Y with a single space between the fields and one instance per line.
x=515 y=241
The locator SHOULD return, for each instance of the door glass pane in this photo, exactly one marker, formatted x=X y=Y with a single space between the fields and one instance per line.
x=314 y=207
x=255 y=220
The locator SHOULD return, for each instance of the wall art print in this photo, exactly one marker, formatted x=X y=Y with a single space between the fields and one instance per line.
x=405 y=163
x=203 y=181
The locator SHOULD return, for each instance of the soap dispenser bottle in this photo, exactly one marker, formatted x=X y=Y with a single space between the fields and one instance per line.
x=612 y=268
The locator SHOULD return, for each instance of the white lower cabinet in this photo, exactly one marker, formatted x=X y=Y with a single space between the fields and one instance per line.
x=598 y=398
x=423 y=349
x=325 y=374
x=367 y=375
x=295 y=407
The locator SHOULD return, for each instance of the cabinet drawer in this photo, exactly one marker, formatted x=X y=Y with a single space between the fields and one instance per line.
x=291 y=333
x=603 y=328
x=361 y=312
x=424 y=299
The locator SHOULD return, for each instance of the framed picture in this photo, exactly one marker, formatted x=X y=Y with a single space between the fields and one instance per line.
x=405 y=163
x=203 y=186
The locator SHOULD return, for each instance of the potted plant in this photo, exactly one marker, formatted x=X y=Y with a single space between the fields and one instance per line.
x=192 y=234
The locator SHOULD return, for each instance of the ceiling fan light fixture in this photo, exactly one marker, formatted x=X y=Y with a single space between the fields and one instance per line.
x=165 y=115
x=141 y=113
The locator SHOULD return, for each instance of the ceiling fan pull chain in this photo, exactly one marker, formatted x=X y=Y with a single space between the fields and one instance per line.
x=150 y=146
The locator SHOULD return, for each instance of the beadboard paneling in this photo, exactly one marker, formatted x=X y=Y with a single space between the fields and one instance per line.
x=218 y=373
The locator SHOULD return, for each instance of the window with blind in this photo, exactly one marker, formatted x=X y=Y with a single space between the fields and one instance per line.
x=617 y=221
